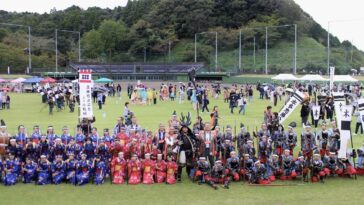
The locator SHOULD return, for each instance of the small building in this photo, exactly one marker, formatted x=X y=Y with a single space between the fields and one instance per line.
x=139 y=71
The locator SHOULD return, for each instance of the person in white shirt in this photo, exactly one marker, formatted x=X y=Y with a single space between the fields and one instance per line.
x=242 y=104
x=358 y=123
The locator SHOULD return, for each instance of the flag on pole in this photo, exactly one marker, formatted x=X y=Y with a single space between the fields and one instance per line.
x=339 y=102
x=345 y=130
x=85 y=81
x=361 y=110
x=316 y=112
x=293 y=102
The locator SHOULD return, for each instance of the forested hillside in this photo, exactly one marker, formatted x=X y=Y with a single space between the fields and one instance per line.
x=164 y=31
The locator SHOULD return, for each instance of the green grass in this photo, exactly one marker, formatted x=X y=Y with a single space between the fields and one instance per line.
x=26 y=110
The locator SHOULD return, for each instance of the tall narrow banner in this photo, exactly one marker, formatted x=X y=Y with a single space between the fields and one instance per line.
x=85 y=82
x=332 y=73
x=339 y=102
x=293 y=102
x=345 y=131
x=361 y=110
x=316 y=112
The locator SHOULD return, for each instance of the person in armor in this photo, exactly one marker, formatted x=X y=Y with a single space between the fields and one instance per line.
x=207 y=149
x=217 y=142
x=334 y=140
x=187 y=147
x=291 y=138
x=203 y=169
x=246 y=167
x=360 y=152
x=264 y=149
x=317 y=168
x=308 y=144
x=278 y=139
x=233 y=166
x=217 y=176
x=226 y=149
x=275 y=170
x=332 y=165
x=259 y=174
x=242 y=139
x=287 y=166
x=323 y=138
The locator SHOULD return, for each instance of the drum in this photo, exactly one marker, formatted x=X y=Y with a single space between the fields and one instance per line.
x=4 y=141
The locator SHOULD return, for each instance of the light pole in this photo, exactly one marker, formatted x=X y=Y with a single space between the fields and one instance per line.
x=215 y=47
x=240 y=50
x=29 y=43
x=266 y=50
x=295 y=50
x=79 y=44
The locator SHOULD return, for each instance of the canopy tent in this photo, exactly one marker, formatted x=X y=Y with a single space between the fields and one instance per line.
x=3 y=80
x=48 y=80
x=33 y=80
x=313 y=78
x=18 y=80
x=285 y=76
x=344 y=78
x=64 y=80
x=104 y=80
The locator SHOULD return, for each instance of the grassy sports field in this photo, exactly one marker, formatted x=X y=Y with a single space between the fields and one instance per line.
x=27 y=109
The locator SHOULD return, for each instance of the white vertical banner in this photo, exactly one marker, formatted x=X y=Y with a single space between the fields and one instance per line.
x=339 y=102
x=316 y=112
x=85 y=82
x=345 y=131
x=361 y=110
x=293 y=102
x=332 y=73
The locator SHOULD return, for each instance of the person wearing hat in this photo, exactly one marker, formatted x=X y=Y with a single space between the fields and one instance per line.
x=334 y=140
x=291 y=137
x=71 y=168
x=148 y=167
x=58 y=168
x=217 y=176
x=308 y=142
x=226 y=148
x=100 y=170
x=66 y=136
x=86 y=125
x=43 y=171
x=12 y=167
x=263 y=131
x=118 y=169
x=84 y=168
x=279 y=139
x=160 y=168
x=134 y=170
x=187 y=143
x=36 y=134
x=29 y=170
x=249 y=149
x=318 y=172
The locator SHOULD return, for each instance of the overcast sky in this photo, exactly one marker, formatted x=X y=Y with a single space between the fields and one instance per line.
x=322 y=11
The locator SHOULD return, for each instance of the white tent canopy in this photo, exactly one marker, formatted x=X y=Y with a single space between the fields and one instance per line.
x=344 y=78
x=18 y=80
x=313 y=78
x=285 y=76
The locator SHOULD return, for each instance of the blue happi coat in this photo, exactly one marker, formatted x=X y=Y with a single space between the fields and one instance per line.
x=58 y=171
x=12 y=169
x=43 y=173
x=29 y=172
x=83 y=172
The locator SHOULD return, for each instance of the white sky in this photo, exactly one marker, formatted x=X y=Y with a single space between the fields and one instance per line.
x=322 y=11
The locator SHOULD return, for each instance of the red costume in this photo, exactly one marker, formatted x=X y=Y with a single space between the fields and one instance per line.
x=171 y=171
x=148 y=171
x=118 y=169
x=161 y=168
x=134 y=171
x=124 y=139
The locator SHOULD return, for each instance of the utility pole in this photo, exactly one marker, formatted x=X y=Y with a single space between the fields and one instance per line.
x=240 y=51
x=56 y=33
x=29 y=51
x=295 y=50
x=216 y=52
x=195 y=47
x=266 y=50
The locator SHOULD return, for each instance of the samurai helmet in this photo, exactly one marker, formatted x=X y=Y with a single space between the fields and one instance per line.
x=292 y=125
x=185 y=120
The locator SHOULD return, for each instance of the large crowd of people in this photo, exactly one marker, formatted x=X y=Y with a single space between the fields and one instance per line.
x=210 y=154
